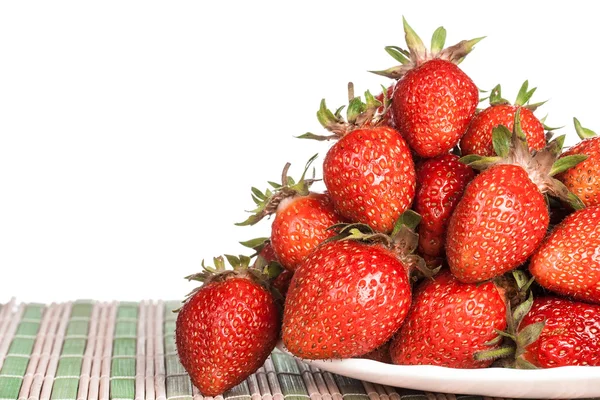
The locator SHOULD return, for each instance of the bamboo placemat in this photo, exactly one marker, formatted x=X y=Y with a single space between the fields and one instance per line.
x=99 y=351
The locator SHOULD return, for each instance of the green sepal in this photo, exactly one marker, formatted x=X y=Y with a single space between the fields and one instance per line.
x=313 y=136
x=583 y=133
x=501 y=136
x=535 y=106
x=528 y=335
x=496 y=96
x=468 y=159
x=459 y=51
x=494 y=354
x=272 y=270
x=399 y=54
x=438 y=40
x=521 y=363
x=395 y=72
x=409 y=219
x=556 y=145
x=255 y=243
x=559 y=190
x=355 y=108
x=413 y=41
x=326 y=117
x=524 y=94
x=484 y=163
x=522 y=309
x=566 y=162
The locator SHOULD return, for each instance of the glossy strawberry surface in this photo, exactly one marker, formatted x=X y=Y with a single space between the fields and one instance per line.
x=225 y=332
x=571 y=334
x=449 y=321
x=478 y=137
x=441 y=182
x=369 y=174
x=301 y=223
x=584 y=178
x=499 y=222
x=568 y=261
x=432 y=106
x=346 y=299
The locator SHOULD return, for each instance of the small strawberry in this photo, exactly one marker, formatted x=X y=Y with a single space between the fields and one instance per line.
x=348 y=297
x=302 y=218
x=433 y=100
x=567 y=333
x=227 y=328
x=369 y=172
x=441 y=182
x=503 y=216
x=478 y=137
x=568 y=261
x=449 y=322
x=584 y=178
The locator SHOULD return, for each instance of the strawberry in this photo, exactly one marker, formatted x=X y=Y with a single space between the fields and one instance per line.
x=449 y=322
x=282 y=281
x=348 y=297
x=478 y=137
x=227 y=328
x=441 y=182
x=584 y=178
x=568 y=261
x=503 y=216
x=570 y=333
x=380 y=354
x=369 y=172
x=433 y=100
x=302 y=218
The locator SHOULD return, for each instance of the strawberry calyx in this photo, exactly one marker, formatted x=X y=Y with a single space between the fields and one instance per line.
x=583 y=133
x=522 y=99
x=268 y=201
x=541 y=166
x=418 y=53
x=265 y=260
x=510 y=354
x=359 y=114
x=403 y=241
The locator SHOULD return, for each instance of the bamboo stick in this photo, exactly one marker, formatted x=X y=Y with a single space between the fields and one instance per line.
x=55 y=352
x=263 y=383
x=332 y=386
x=124 y=351
x=140 y=363
x=88 y=355
x=178 y=382
x=104 y=387
x=150 y=391
x=159 y=359
x=392 y=393
x=10 y=331
x=5 y=319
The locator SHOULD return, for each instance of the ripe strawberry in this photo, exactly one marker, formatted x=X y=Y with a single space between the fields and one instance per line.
x=433 y=100
x=570 y=334
x=478 y=137
x=381 y=354
x=369 y=172
x=584 y=178
x=282 y=282
x=227 y=328
x=441 y=182
x=568 y=261
x=503 y=216
x=302 y=218
x=449 y=322
x=348 y=297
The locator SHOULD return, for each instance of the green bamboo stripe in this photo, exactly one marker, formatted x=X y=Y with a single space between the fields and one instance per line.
x=178 y=382
x=19 y=351
x=351 y=389
x=289 y=376
x=123 y=363
x=66 y=380
x=241 y=392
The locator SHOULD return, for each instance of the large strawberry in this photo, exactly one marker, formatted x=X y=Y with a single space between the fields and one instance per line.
x=348 y=297
x=449 y=322
x=568 y=261
x=503 y=216
x=565 y=333
x=433 y=100
x=584 y=178
x=227 y=328
x=369 y=172
x=478 y=137
x=441 y=182
x=302 y=218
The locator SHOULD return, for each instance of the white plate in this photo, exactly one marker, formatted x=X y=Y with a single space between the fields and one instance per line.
x=552 y=383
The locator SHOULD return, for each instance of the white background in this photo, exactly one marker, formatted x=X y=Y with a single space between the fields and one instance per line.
x=131 y=132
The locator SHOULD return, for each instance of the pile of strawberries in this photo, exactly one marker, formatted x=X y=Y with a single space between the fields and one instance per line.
x=448 y=235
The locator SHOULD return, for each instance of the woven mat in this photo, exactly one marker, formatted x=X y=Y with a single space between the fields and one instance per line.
x=93 y=350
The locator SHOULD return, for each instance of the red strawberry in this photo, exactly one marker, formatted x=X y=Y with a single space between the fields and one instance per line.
x=381 y=354
x=433 y=100
x=227 y=328
x=570 y=334
x=584 y=178
x=568 y=262
x=449 y=322
x=503 y=216
x=441 y=182
x=478 y=137
x=301 y=222
x=282 y=281
x=369 y=172
x=347 y=298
